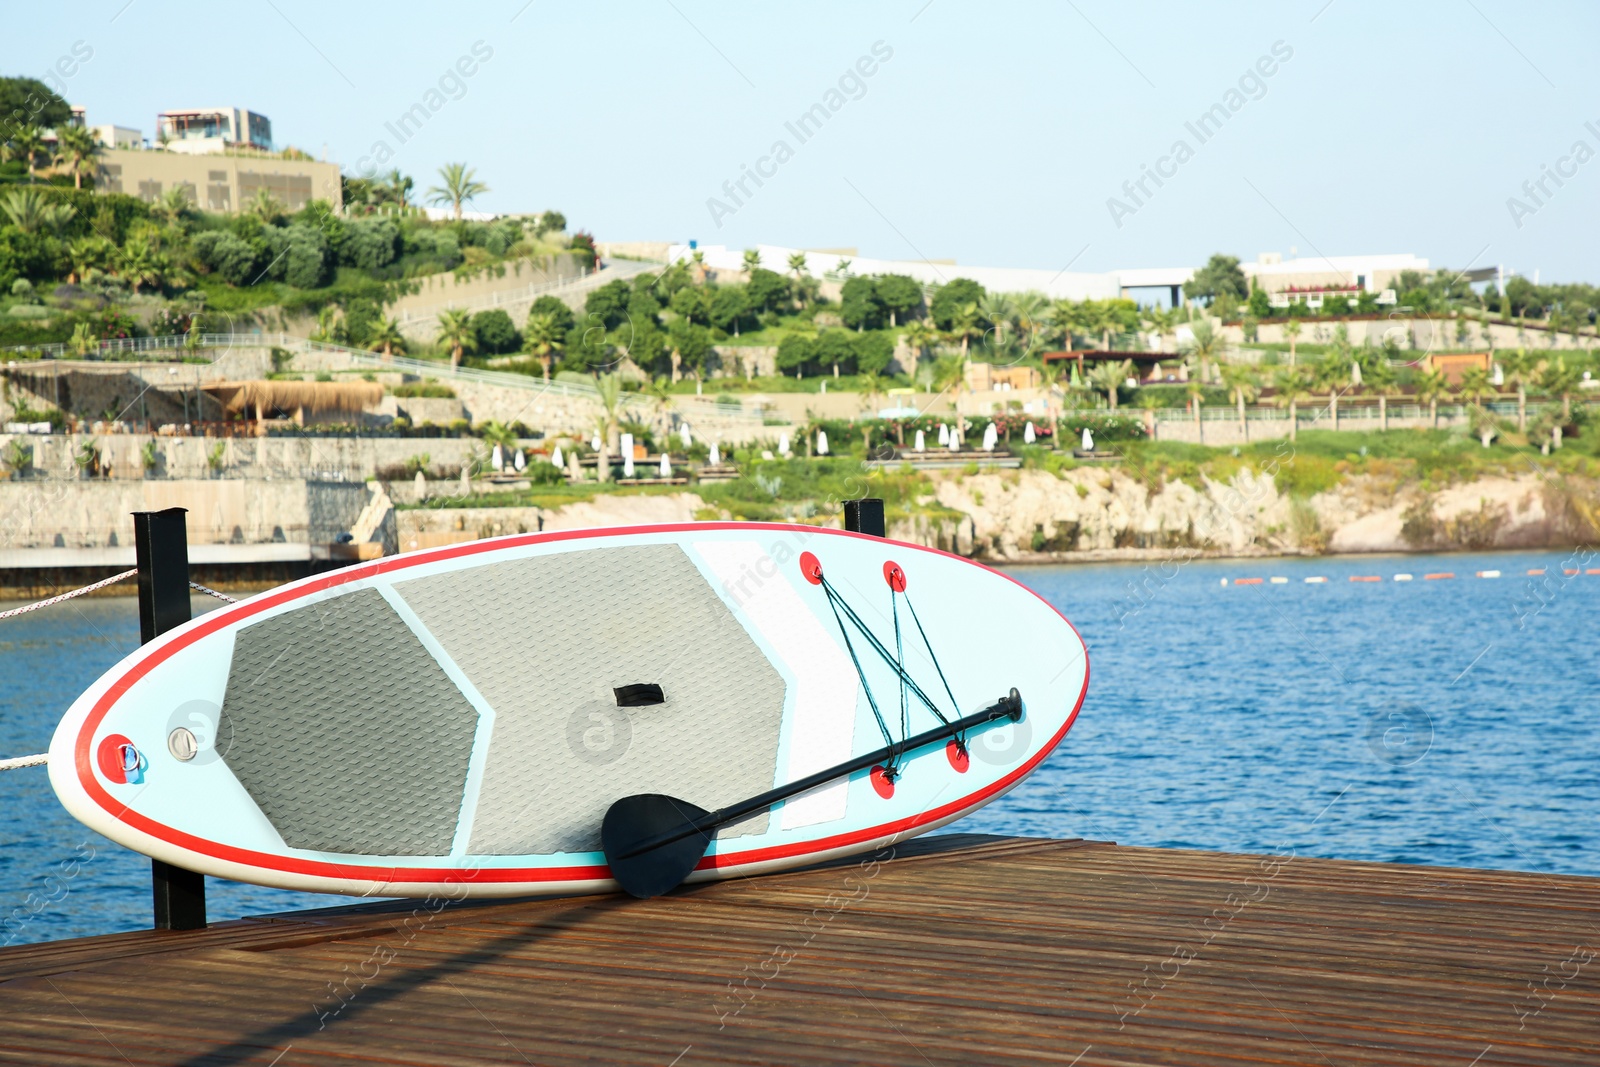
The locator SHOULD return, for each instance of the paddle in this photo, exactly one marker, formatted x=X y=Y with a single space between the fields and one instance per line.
x=653 y=842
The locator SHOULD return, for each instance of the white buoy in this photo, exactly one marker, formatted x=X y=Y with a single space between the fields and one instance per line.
x=519 y=461
x=1088 y=440
x=944 y=436
x=921 y=443
x=822 y=442
x=497 y=459
x=716 y=454
x=627 y=455
x=783 y=444
x=556 y=459
x=683 y=433
x=1027 y=433
x=990 y=437
x=666 y=466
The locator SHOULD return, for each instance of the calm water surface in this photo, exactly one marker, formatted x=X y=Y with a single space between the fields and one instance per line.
x=1441 y=722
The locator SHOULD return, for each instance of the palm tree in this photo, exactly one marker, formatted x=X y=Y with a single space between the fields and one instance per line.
x=608 y=387
x=921 y=335
x=752 y=260
x=141 y=263
x=1197 y=396
x=1291 y=390
x=1291 y=330
x=872 y=384
x=998 y=309
x=1558 y=379
x=1064 y=316
x=84 y=340
x=1476 y=388
x=172 y=205
x=1108 y=378
x=456 y=332
x=86 y=253
x=542 y=338
x=386 y=338
x=27 y=142
x=963 y=324
x=660 y=390
x=32 y=212
x=1332 y=374
x=1433 y=387
x=1050 y=379
x=1205 y=348
x=1163 y=320
x=1030 y=311
x=460 y=185
x=1521 y=367
x=797 y=264
x=1240 y=380
x=1382 y=380
x=264 y=206
x=75 y=152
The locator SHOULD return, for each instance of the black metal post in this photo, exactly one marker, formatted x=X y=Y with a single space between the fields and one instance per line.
x=865 y=516
x=161 y=546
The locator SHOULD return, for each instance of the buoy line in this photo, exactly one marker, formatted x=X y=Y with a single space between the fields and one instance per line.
x=1437 y=576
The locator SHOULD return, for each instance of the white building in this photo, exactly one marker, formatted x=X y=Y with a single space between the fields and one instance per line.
x=1271 y=271
x=110 y=136
x=213 y=130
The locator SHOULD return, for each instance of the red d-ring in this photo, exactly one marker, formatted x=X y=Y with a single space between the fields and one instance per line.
x=882 y=783
x=957 y=754
x=811 y=567
x=894 y=576
x=109 y=757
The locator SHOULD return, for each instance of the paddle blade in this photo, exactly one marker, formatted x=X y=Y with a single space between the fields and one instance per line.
x=637 y=820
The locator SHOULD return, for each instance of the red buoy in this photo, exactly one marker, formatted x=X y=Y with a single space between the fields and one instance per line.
x=811 y=567
x=894 y=576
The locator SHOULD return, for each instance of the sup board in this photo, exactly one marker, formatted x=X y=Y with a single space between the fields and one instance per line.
x=458 y=720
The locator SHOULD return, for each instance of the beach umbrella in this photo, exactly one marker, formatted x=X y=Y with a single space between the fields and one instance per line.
x=1355 y=374
x=683 y=432
x=921 y=443
x=666 y=466
x=555 y=458
x=783 y=444
x=519 y=461
x=422 y=486
x=1088 y=440
x=466 y=481
x=498 y=459
x=716 y=454
x=1027 y=433
x=595 y=444
x=822 y=442
x=627 y=455
x=944 y=436
x=990 y=437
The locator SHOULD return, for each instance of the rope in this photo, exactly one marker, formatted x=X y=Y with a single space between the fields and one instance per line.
x=68 y=596
x=24 y=761
x=213 y=592
x=929 y=645
x=877 y=646
x=861 y=674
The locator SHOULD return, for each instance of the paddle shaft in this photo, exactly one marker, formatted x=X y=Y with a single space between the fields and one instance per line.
x=1007 y=707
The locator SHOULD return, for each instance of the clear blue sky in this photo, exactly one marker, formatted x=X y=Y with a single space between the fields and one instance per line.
x=994 y=134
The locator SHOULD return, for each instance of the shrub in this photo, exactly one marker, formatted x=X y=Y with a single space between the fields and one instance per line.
x=495 y=332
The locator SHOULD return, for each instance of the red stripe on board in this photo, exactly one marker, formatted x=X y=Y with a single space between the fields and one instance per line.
x=216 y=620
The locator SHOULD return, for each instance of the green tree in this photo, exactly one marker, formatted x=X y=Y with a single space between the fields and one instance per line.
x=1381 y=379
x=860 y=306
x=797 y=263
x=33 y=213
x=997 y=310
x=728 y=304
x=949 y=300
x=141 y=263
x=608 y=304
x=1220 y=275
x=460 y=185
x=766 y=290
x=1333 y=375
x=495 y=332
x=456 y=333
x=386 y=337
x=1205 y=347
x=1291 y=390
x=89 y=253
x=921 y=336
x=30 y=102
x=900 y=295
x=752 y=261
x=1240 y=381
x=1432 y=387
x=75 y=152
x=542 y=338
x=27 y=144
x=556 y=308
x=1109 y=377
x=1291 y=331
x=1521 y=368
x=263 y=206
x=171 y=206
x=691 y=345
x=1562 y=381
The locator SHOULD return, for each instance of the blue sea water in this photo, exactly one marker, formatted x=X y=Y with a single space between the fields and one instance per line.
x=1450 y=722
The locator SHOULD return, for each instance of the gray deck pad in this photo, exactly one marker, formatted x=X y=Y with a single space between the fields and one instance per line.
x=346 y=732
x=547 y=639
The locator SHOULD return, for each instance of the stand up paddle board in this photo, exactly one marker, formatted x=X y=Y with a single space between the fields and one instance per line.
x=459 y=720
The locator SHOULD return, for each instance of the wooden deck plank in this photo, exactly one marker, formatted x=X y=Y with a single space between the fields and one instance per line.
x=961 y=950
